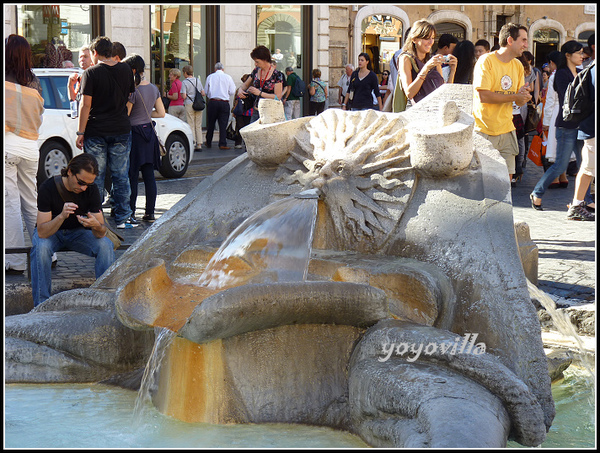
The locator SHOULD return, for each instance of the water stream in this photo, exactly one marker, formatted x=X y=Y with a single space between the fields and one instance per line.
x=273 y=245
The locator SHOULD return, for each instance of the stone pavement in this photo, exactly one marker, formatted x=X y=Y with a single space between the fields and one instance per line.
x=567 y=249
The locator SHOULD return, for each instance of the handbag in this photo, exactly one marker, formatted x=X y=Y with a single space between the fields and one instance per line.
x=161 y=147
x=239 y=108
x=114 y=237
x=537 y=149
x=232 y=134
x=533 y=117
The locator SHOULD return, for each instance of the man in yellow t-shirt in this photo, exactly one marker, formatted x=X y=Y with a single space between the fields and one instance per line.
x=498 y=82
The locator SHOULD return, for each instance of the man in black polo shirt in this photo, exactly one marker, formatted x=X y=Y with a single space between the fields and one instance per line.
x=69 y=218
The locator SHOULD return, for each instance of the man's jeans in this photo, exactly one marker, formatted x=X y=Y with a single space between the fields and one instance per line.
x=78 y=240
x=114 y=152
x=566 y=144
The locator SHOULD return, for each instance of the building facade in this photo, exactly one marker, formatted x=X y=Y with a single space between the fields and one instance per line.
x=307 y=36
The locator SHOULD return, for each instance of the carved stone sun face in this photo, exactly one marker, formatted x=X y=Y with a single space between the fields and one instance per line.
x=361 y=165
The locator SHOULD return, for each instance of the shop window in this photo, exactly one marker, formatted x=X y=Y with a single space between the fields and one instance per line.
x=381 y=39
x=177 y=41
x=279 y=27
x=55 y=32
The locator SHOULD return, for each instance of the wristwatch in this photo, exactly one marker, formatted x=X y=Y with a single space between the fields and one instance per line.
x=80 y=133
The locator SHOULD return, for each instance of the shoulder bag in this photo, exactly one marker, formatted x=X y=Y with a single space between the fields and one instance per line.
x=114 y=237
x=400 y=101
x=198 y=104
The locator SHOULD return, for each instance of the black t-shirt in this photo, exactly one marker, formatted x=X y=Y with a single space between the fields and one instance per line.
x=49 y=200
x=109 y=87
x=363 y=97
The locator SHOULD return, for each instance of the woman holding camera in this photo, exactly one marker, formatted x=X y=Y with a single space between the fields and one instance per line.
x=419 y=72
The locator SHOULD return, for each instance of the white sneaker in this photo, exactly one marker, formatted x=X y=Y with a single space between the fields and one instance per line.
x=238 y=146
x=126 y=225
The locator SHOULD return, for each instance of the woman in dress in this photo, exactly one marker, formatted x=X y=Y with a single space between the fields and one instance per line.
x=265 y=82
x=566 y=131
x=23 y=110
x=144 y=104
x=364 y=84
x=421 y=73
x=318 y=93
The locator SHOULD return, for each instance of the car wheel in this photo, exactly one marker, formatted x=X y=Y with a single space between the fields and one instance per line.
x=54 y=156
x=175 y=163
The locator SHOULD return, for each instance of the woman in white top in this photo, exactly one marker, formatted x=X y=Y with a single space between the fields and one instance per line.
x=551 y=111
x=24 y=106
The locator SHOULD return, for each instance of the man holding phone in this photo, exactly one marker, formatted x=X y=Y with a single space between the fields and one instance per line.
x=69 y=218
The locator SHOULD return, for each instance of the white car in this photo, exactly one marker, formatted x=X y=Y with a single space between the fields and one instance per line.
x=58 y=131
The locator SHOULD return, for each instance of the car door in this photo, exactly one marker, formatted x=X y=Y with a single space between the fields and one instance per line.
x=58 y=130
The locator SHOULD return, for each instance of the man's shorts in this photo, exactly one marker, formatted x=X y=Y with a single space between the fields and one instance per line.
x=507 y=146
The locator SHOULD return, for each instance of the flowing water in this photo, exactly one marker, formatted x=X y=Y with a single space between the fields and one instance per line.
x=564 y=326
x=273 y=245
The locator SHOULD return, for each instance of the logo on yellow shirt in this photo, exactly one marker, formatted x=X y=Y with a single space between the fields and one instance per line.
x=506 y=82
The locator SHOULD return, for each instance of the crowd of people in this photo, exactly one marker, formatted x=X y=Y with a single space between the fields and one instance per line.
x=116 y=107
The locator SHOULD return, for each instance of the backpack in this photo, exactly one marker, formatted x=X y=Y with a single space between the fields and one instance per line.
x=198 y=103
x=299 y=88
x=579 y=97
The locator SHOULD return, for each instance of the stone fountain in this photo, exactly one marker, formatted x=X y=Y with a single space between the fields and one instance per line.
x=413 y=328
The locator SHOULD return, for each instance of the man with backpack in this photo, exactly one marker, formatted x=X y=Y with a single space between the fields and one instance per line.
x=579 y=208
x=294 y=92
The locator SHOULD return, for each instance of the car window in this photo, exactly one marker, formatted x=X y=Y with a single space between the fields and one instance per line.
x=61 y=88
x=47 y=93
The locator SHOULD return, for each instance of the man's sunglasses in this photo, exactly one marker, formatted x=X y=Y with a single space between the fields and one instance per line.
x=83 y=183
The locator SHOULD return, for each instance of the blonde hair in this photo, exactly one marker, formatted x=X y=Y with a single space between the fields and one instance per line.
x=421 y=29
x=175 y=72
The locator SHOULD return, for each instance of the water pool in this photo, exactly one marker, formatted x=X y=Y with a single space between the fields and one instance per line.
x=99 y=416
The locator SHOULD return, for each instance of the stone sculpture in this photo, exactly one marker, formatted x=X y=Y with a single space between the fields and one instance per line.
x=414 y=245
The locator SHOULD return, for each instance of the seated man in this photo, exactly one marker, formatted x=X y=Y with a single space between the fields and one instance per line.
x=69 y=218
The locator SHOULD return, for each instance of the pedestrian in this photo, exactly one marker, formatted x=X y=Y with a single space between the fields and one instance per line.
x=344 y=81
x=23 y=108
x=551 y=110
x=482 y=46
x=174 y=95
x=464 y=52
x=242 y=119
x=419 y=72
x=291 y=104
x=69 y=217
x=144 y=104
x=363 y=85
x=265 y=81
x=498 y=83
x=318 y=91
x=118 y=53
x=566 y=131
x=532 y=75
x=104 y=128
x=74 y=83
x=446 y=45
x=193 y=117
x=219 y=89
x=384 y=85
x=579 y=208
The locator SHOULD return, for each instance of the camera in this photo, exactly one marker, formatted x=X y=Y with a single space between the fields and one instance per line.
x=447 y=58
